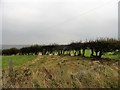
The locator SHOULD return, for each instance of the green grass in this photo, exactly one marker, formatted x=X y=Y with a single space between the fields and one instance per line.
x=117 y=57
x=17 y=60
x=87 y=53
x=106 y=55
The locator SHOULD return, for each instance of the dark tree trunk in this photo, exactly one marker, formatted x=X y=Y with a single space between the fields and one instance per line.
x=75 y=53
x=83 y=53
x=63 y=52
x=92 y=52
x=36 y=53
x=59 y=53
x=79 y=53
x=100 y=54
x=69 y=53
x=96 y=53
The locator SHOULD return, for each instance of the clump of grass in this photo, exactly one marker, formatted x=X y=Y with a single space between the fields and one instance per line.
x=35 y=83
x=26 y=72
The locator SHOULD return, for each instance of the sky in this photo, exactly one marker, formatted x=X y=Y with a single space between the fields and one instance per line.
x=57 y=21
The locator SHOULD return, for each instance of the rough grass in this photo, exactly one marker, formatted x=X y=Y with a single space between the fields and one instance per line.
x=63 y=72
x=17 y=60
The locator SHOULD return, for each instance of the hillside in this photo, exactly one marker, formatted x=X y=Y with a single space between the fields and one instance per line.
x=63 y=72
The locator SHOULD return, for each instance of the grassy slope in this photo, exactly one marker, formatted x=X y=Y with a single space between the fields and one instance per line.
x=17 y=60
x=63 y=72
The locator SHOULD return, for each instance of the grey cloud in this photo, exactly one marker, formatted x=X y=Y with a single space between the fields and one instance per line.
x=44 y=22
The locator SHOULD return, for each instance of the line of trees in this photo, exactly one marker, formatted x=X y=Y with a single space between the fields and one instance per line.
x=97 y=47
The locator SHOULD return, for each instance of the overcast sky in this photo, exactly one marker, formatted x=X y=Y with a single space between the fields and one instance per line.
x=58 y=21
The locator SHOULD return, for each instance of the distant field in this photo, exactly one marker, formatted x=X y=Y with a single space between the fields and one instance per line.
x=111 y=56
x=17 y=60
x=107 y=55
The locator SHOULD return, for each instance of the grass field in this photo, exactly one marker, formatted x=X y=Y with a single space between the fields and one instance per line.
x=21 y=59
x=109 y=55
x=112 y=56
x=63 y=72
x=17 y=60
